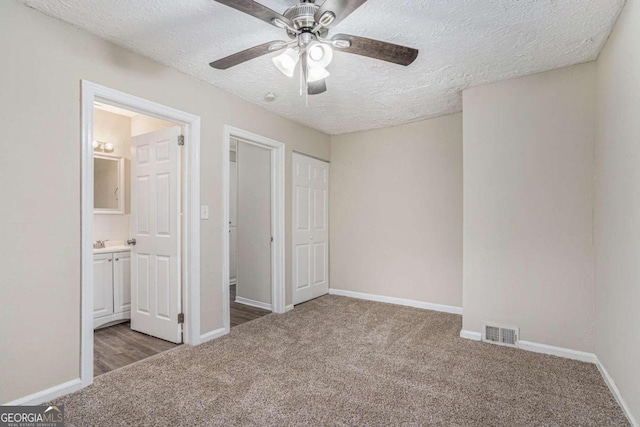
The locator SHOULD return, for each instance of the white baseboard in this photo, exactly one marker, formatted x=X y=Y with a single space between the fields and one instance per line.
x=217 y=333
x=398 y=301
x=582 y=356
x=470 y=335
x=252 y=303
x=288 y=308
x=48 y=394
x=535 y=347
x=567 y=353
x=616 y=393
x=233 y=281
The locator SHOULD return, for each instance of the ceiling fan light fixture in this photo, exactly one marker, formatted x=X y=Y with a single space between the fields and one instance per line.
x=316 y=74
x=287 y=61
x=319 y=55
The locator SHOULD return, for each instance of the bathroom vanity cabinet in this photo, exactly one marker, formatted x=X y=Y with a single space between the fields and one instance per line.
x=112 y=288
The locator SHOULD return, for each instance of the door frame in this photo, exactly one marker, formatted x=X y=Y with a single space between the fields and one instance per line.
x=277 y=150
x=190 y=268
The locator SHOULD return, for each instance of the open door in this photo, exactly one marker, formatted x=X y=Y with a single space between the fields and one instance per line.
x=155 y=226
x=310 y=228
x=254 y=226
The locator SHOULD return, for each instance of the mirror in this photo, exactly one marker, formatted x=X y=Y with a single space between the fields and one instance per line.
x=108 y=184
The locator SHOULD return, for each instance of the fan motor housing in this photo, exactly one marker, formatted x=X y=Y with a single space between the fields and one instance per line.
x=302 y=15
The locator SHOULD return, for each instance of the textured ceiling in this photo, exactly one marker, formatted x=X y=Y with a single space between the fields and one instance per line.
x=462 y=43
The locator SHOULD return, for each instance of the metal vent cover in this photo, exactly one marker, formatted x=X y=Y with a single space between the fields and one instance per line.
x=500 y=334
x=492 y=333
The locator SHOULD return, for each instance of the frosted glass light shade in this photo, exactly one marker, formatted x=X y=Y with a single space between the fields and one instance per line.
x=319 y=55
x=287 y=61
x=316 y=74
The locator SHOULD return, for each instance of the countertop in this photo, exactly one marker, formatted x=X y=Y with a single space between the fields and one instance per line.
x=113 y=248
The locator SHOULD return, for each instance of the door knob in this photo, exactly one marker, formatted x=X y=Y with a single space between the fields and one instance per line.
x=131 y=242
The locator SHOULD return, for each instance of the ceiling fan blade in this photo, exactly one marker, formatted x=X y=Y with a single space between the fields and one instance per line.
x=340 y=8
x=248 y=54
x=316 y=88
x=377 y=49
x=256 y=10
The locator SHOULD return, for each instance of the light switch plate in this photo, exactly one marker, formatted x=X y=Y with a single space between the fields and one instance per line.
x=204 y=212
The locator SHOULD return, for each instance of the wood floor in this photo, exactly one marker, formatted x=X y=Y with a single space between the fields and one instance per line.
x=117 y=346
x=241 y=313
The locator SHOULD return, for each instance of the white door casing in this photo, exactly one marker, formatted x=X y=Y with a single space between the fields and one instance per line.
x=155 y=224
x=310 y=257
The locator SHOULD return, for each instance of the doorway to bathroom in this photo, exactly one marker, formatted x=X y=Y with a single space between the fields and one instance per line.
x=140 y=230
x=136 y=235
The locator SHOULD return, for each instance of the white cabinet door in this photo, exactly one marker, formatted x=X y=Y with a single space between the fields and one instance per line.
x=102 y=285
x=310 y=228
x=121 y=282
x=155 y=224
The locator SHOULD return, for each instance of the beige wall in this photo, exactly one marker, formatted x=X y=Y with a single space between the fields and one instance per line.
x=396 y=211
x=116 y=129
x=142 y=124
x=43 y=62
x=528 y=168
x=617 y=207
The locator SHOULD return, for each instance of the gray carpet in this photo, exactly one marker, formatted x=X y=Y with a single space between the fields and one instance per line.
x=340 y=361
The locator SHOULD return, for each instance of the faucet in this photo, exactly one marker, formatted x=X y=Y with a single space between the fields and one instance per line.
x=99 y=244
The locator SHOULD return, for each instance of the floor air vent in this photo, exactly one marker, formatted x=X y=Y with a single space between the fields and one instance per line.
x=500 y=334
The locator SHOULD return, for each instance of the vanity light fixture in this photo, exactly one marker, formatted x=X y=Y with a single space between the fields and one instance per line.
x=106 y=147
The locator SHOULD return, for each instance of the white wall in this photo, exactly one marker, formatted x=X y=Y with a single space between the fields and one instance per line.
x=528 y=198
x=617 y=207
x=43 y=62
x=396 y=211
x=116 y=129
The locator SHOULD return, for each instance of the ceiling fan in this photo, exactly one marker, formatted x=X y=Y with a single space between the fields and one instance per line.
x=307 y=25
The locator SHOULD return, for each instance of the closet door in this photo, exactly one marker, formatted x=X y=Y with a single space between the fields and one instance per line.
x=102 y=285
x=310 y=228
x=254 y=226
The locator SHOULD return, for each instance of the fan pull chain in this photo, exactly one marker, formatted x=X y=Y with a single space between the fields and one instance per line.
x=301 y=78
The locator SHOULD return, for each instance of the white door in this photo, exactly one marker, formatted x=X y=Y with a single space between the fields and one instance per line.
x=233 y=205
x=102 y=285
x=155 y=224
x=254 y=226
x=310 y=228
x=121 y=282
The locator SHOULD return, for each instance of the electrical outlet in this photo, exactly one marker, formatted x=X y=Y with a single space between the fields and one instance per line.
x=204 y=212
